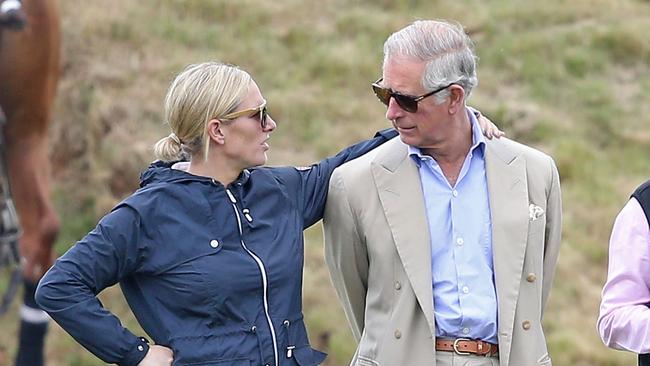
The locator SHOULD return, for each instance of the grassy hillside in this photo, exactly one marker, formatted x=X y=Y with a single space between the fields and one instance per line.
x=568 y=77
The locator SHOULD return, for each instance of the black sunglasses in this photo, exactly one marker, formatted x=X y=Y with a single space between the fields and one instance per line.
x=261 y=111
x=408 y=103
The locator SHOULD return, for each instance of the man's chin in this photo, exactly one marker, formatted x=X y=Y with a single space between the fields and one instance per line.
x=409 y=140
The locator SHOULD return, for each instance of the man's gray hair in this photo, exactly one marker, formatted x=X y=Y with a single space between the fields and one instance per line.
x=445 y=47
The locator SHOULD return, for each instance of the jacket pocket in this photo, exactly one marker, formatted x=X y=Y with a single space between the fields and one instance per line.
x=230 y=348
x=537 y=226
x=307 y=356
x=230 y=362
x=297 y=344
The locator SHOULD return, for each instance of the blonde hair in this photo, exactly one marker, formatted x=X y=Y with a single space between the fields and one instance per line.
x=200 y=93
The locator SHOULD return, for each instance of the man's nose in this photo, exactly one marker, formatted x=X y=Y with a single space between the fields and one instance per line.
x=394 y=111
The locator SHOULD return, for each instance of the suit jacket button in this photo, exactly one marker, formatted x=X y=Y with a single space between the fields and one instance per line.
x=525 y=325
x=531 y=277
x=398 y=285
x=398 y=334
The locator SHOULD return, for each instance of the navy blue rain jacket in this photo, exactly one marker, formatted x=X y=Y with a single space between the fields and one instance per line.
x=212 y=272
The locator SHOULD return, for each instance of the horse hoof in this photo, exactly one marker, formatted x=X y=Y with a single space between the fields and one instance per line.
x=13 y=19
x=12 y=15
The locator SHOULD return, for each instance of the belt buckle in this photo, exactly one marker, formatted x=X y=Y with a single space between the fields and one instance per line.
x=455 y=346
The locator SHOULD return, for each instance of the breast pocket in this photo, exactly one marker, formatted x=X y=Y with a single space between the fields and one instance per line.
x=206 y=255
x=536 y=228
x=180 y=273
x=364 y=361
x=228 y=278
x=544 y=361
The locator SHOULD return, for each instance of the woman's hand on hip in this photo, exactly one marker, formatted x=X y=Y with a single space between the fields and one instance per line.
x=158 y=356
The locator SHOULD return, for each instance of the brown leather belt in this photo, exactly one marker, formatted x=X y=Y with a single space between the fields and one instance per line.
x=464 y=346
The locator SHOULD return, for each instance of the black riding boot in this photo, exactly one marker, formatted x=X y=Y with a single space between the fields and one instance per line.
x=33 y=327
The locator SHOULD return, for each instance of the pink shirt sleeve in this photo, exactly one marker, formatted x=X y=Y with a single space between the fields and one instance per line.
x=624 y=319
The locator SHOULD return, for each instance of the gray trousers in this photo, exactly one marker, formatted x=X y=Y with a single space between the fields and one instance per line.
x=452 y=359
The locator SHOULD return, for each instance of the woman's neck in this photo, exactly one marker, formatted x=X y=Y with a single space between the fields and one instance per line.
x=217 y=170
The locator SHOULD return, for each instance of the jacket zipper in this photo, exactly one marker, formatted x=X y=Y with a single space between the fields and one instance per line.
x=260 y=264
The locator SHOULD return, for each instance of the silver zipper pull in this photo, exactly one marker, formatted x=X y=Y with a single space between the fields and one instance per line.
x=290 y=351
x=247 y=214
x=232 y=198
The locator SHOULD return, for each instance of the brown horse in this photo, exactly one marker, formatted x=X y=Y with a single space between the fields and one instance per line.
x=29 y=71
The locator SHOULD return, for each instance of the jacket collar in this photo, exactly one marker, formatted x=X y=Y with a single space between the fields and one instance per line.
x=162 y=172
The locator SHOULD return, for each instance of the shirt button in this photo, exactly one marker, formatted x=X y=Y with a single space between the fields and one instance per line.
x=140 y=348
x=398 y=334
x=398 y=285
x=214 y=243
x=531 y=277
x=466 y=290
x=460 y=241
x=454 y=193
x=465 y=330
x=525 y=325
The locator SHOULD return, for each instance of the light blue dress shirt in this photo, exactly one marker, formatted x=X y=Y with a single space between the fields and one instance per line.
x=464 y=296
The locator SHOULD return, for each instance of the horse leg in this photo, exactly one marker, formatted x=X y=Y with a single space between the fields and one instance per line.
x=29 y=177
x=28 y=164
x=29 y=66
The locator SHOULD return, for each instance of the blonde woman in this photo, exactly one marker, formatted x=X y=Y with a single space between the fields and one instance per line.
x=209 y=254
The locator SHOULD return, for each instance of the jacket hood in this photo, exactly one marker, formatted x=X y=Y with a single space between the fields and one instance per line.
x=162 y=172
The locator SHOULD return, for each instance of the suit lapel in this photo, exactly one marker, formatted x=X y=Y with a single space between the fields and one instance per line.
x=400 y=193
x=508 y=190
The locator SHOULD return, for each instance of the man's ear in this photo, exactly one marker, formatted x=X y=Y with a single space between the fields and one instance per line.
x=216 y=131
x=456 y=99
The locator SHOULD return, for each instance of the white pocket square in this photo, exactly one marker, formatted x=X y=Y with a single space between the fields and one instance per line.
x=535 y=212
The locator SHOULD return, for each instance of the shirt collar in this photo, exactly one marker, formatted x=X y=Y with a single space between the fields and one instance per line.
x=478 y=140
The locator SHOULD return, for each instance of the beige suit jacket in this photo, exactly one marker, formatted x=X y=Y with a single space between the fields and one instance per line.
x=378 y=252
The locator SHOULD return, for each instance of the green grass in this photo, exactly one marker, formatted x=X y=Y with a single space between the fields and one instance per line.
x=571 y=78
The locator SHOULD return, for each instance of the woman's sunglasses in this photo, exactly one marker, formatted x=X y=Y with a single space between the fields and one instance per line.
x=250 y=112
x=408 y=103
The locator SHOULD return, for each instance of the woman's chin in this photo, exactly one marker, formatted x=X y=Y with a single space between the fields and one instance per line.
x=260 y=161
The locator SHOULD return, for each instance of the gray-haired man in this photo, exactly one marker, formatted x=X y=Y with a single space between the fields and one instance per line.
x=442 y=245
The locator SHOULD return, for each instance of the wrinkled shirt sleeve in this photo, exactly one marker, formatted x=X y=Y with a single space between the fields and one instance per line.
x=314 y=180
x=68 y=290
x=624 y=319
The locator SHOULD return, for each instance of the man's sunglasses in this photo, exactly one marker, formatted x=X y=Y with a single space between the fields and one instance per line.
x=250 y=112
x=408 y=103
